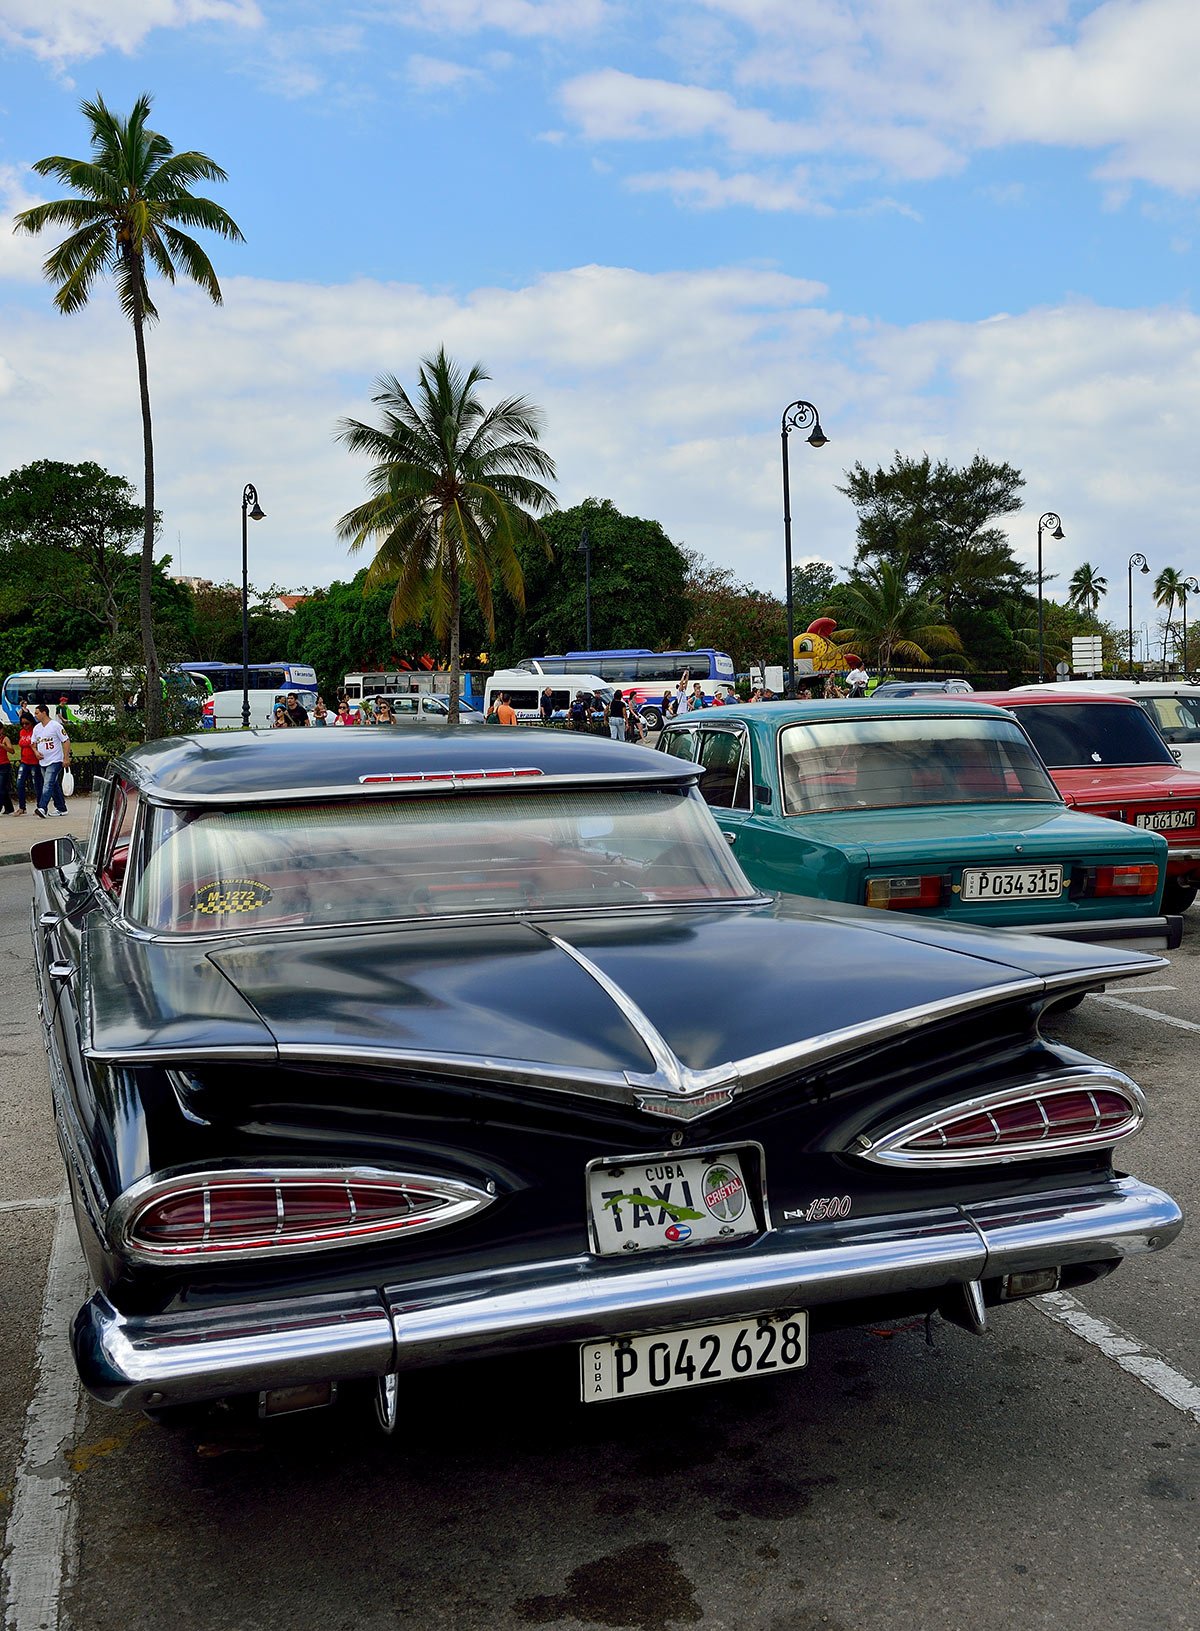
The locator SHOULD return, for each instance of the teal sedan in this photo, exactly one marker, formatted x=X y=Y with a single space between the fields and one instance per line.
x=938 y=808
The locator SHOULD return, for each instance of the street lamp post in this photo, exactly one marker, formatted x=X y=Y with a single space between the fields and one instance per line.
x=1048 y=523
x=1139 y=560
x=1188 y=584
x=585 y=549
x=799 y=416
x=251 y=507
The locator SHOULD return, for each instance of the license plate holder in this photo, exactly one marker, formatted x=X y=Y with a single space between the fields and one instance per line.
x=628 y=1367
x=675 y=1201
x=1012 y=883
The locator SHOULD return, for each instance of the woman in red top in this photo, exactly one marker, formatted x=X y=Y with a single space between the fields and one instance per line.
x=29 y=770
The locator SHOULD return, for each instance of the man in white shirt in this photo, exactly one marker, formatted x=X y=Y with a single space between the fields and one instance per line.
x=856 y=682
x=53 y=748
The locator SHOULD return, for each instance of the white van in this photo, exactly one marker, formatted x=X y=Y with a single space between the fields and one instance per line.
x=224 y=708
x=525 y=690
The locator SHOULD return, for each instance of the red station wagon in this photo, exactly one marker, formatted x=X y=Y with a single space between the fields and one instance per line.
x=1106 y=757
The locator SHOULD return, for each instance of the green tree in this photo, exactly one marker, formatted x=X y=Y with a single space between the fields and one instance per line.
x=130 y=200
x=454 y=489
x=1086 y=589
x=812 y=585
x=939 y=520
x=638 y=586
x=892 y=622
x=748 y=623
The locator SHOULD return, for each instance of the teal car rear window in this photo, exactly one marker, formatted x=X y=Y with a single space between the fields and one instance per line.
x=857 y=764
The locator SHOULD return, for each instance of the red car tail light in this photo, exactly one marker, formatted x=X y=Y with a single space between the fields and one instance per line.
x=1125 y=880
x=1085 y=1109
x=905 y=894
x=196 y=1216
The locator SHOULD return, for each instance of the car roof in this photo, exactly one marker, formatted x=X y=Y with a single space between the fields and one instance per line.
x=953 y=703
x=268 y=767
x=1010 y=699
x=1120 y=688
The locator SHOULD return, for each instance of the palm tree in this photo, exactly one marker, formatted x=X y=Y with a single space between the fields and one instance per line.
x=1168 y=587
x=1086 y=589
x=890 y=620
x=131 y=197
x=454 y=488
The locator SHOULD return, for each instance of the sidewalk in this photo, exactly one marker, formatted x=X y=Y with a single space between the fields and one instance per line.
x=19 y=833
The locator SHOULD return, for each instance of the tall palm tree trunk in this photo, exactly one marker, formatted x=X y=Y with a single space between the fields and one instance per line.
x=145 y=603
x=455 y=648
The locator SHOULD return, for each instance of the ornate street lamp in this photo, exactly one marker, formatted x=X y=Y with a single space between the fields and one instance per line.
x=252 y=508
x=1051 y=524
x=1138 y=560
x=585 y=549
x=799 y=416
x=1188 y=584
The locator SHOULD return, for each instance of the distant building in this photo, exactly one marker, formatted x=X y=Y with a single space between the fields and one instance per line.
x=286 y=603
x=195 y=584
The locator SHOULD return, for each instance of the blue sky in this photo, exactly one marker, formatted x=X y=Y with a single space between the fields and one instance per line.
x=954 y=226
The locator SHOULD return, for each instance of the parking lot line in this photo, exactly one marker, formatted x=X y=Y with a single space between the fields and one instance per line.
x=1124 y=1350
x=37 y=1203
x=40 y=1541
x=1147 y=1013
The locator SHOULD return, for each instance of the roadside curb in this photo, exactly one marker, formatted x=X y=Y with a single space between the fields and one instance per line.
x=13 y=860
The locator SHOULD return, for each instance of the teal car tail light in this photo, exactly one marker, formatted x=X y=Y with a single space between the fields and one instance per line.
x=1120 y=882
x=906 y=894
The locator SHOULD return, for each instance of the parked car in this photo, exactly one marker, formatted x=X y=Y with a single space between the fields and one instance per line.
x=1106 y=757
x=922 y=688
x=942 y=809
x=428 y=708
x=1174 y=708
x=380 y=1050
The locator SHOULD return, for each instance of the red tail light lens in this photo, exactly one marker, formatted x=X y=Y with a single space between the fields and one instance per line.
x=1125 y=880
x=229 y=1215
x=1084 y=1110
x=905 y=894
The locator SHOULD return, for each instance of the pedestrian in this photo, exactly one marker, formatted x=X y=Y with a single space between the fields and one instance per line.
x=669 y=706
x=546 y=705
x=28 y=768
x=344 y=716
x=281 y=722
x=506 y=714
x=695 y=699
x=297 y=714
x=577 y=713
x=635 y=731
x=615 y=714
x=857 y=681
x=383 y=712
x=320 y=712
x=831 y=689
x=8 y=751
x=53 y=748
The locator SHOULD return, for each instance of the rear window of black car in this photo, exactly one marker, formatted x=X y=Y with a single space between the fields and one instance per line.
x=1074 y=734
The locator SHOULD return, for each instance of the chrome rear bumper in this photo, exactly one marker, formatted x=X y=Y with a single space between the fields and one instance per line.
x=1121 y=933
x=154 y=1360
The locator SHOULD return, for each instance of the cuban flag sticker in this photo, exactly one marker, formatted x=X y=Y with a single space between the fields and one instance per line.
x=678 y=1231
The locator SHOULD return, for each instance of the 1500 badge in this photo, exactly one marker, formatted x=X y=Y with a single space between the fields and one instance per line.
x=823 y=1208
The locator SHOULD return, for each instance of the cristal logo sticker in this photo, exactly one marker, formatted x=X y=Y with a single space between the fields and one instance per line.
x=234 y=895
x=724 y=1194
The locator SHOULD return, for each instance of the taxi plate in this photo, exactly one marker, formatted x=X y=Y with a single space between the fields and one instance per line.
x=669 y=1202
x=1012 y=883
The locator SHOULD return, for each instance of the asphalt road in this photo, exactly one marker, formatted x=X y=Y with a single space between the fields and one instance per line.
x=1019 y=1479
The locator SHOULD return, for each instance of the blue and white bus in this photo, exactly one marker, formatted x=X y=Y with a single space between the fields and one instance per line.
x=647 y=673
x=68 y=691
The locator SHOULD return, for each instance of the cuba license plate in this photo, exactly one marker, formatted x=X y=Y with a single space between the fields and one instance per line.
x=669 y=1202
x=1165 y=820
x=624 y=1367
x=1012 y=883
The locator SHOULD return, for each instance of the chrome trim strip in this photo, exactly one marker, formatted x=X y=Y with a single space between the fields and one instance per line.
x=463 y=1200
x=135 y=1361
x=889 y=1148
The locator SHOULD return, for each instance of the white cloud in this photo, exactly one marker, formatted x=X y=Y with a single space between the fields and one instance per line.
x=662 y=391
x=524 y=18
x=69 y=30
x=432 y=74
x=609 y=105
x=707 y=190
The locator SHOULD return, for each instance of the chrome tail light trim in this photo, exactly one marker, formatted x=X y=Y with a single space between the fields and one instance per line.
x=893 y=1147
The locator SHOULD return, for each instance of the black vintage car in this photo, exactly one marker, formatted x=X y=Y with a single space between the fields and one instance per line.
x=376 y=1050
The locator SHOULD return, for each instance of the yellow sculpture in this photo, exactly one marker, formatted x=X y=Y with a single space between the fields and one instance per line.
x=815 y=652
